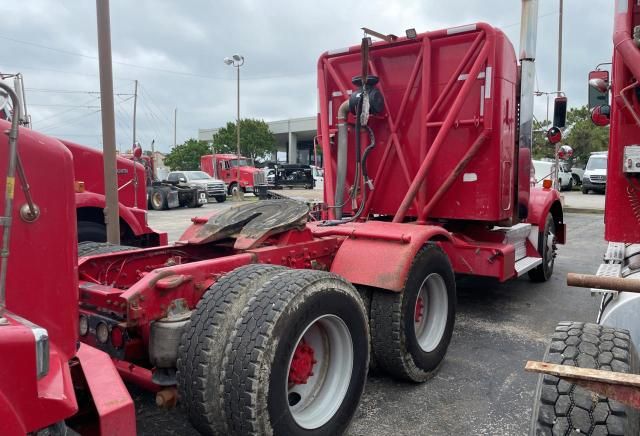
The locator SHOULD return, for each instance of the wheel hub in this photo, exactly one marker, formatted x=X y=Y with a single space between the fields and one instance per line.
x=419 y=313
x=301 y=364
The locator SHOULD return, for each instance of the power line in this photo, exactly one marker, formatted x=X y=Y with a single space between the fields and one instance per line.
x=39 y=69
x=142 y=67
x=70 y=91
x=58 y=114
x=70 y=122
x=63 y=105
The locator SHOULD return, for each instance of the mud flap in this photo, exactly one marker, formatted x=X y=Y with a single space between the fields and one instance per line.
x=114 y=405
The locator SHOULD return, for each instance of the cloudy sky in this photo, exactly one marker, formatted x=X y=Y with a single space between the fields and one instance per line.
x=175 y=51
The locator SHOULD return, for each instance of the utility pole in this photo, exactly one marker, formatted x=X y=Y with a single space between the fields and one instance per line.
x=175 y=124
x=111 y=216
x=560 y=50
x=135 y=104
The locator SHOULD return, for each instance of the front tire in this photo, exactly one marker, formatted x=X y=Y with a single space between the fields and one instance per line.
x=564 y=408
x=299 y=357
x=233 y=188
x=547 y=250
x=158 y=199
x=411 y=330
x=91 y=231
x=221 y=198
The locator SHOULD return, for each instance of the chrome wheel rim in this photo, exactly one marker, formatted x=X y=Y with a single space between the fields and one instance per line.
x=156 y=199
x=319 y=371
x=431 y=311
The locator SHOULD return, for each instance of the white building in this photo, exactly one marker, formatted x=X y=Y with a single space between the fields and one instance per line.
x=294 y=138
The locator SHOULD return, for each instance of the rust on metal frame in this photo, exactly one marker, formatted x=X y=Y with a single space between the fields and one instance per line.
x=598 y=282
x=615 y=385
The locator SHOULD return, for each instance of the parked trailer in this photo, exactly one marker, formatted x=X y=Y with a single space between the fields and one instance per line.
x=590 y=380
x=264 y=321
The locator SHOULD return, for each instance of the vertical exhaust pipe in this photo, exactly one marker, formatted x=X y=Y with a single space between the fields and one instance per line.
x=341 y=160
x=528 y=36
x=527 y=56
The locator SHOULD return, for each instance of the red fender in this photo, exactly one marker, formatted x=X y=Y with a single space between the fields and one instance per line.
x=10 y=422
x=541 y=202
x=91 y=199
x=380 y=253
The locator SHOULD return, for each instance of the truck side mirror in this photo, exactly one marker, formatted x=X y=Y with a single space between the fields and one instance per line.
x=600 y=115
x=598 y=88
x=554 y=135
x=182 y=179
x=560 y=112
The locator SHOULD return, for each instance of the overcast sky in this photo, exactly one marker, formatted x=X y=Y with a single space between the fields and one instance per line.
x=175 y=51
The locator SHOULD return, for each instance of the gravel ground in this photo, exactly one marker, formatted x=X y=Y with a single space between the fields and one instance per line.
x=481 y=388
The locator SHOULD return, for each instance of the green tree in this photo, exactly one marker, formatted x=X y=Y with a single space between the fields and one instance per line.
x=256 y=140
x=540 y=146
x=186 y=157
x=579 y=133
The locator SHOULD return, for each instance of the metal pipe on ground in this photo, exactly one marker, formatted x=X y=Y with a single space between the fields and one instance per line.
x=598 y=282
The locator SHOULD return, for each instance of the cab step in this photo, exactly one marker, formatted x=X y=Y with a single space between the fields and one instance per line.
x=527 y=264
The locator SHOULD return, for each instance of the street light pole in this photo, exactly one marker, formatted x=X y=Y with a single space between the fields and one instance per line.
x=238 y=125
x=560 y=49
x=237 y=61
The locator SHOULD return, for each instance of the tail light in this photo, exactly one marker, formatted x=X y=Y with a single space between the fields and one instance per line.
x=117 y=337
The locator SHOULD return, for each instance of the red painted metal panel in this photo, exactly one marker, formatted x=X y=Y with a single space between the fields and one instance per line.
x=88 y=167
x=432 y=116
x=113 y=403
x=378 y=253
x=540 y=202
x=48 y=244
x=622 y=204
x=34 y=403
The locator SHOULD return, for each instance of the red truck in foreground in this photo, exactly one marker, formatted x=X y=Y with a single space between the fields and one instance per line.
x=262 y=320
x=46 y=376
x=225 y=167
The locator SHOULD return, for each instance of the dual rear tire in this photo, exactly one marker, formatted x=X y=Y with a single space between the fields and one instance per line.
x=271 y=350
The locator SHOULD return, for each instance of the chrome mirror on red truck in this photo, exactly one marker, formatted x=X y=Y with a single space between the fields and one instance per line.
x=600 y=115
x=598 y=88
x=137 y=151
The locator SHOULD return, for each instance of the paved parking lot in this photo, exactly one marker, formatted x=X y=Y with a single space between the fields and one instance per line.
x=576 y=200
x=481 y=388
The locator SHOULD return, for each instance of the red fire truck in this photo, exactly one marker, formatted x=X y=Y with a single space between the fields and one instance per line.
x=590 y=382
x=225 y=167
x=264 y=320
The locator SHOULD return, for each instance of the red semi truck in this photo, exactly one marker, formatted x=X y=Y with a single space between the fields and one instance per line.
x=90 y=199
x=265 y=321
x=590 y=380
x=46 y=376
x=225 y=167
x=256 y=316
